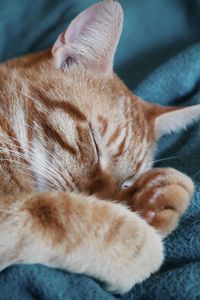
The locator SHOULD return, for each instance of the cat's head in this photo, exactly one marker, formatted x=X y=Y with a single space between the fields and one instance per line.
x=90 y=42
x=116 y=130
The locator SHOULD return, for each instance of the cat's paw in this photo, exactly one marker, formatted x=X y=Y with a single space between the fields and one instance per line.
x=161 y=196
x=133 y=250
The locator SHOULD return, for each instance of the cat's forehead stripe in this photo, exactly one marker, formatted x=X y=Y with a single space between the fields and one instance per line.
x=103 y=123
x=54 y=134
x=66 y=106
x=114 y=136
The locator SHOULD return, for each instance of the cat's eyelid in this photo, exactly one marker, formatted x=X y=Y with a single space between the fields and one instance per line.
x=128 y=182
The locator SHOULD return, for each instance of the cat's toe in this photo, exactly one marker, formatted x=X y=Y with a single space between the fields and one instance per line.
x=165 y=196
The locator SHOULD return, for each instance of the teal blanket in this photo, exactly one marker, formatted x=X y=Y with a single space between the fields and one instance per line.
x=159 y=58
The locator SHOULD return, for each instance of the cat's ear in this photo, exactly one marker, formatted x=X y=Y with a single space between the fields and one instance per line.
x=176 y=119
x=170 y=119
x=91 y=38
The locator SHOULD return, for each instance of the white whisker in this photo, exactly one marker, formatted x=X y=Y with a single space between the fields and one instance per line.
x=46 y=174
x=130 y=107
x=33 y=99
x=158 y=160
x=23 y=170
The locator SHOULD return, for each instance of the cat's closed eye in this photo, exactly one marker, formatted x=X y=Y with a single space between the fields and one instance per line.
x=128 y=182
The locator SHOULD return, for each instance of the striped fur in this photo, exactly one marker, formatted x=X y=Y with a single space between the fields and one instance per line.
x=73 y=143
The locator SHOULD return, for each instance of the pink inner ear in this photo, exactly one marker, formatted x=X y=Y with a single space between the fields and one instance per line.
x=80 y=23
x=91 y=38
x=76 y=28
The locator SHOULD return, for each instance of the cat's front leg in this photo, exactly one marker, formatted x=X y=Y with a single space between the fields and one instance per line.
x=81 y=234
x=160 y=196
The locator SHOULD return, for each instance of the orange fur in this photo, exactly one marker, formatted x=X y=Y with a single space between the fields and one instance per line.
x=74 y=132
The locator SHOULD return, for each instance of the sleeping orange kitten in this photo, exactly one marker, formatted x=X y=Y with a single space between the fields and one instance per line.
x=77 y=187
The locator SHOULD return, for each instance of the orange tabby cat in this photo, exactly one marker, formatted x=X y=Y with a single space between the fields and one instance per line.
x=75 y=142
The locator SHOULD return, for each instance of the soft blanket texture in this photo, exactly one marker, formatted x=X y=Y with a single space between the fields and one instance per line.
x=159 y=58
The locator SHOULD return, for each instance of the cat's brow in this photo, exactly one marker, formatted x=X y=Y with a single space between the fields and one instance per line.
x=64 y=105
